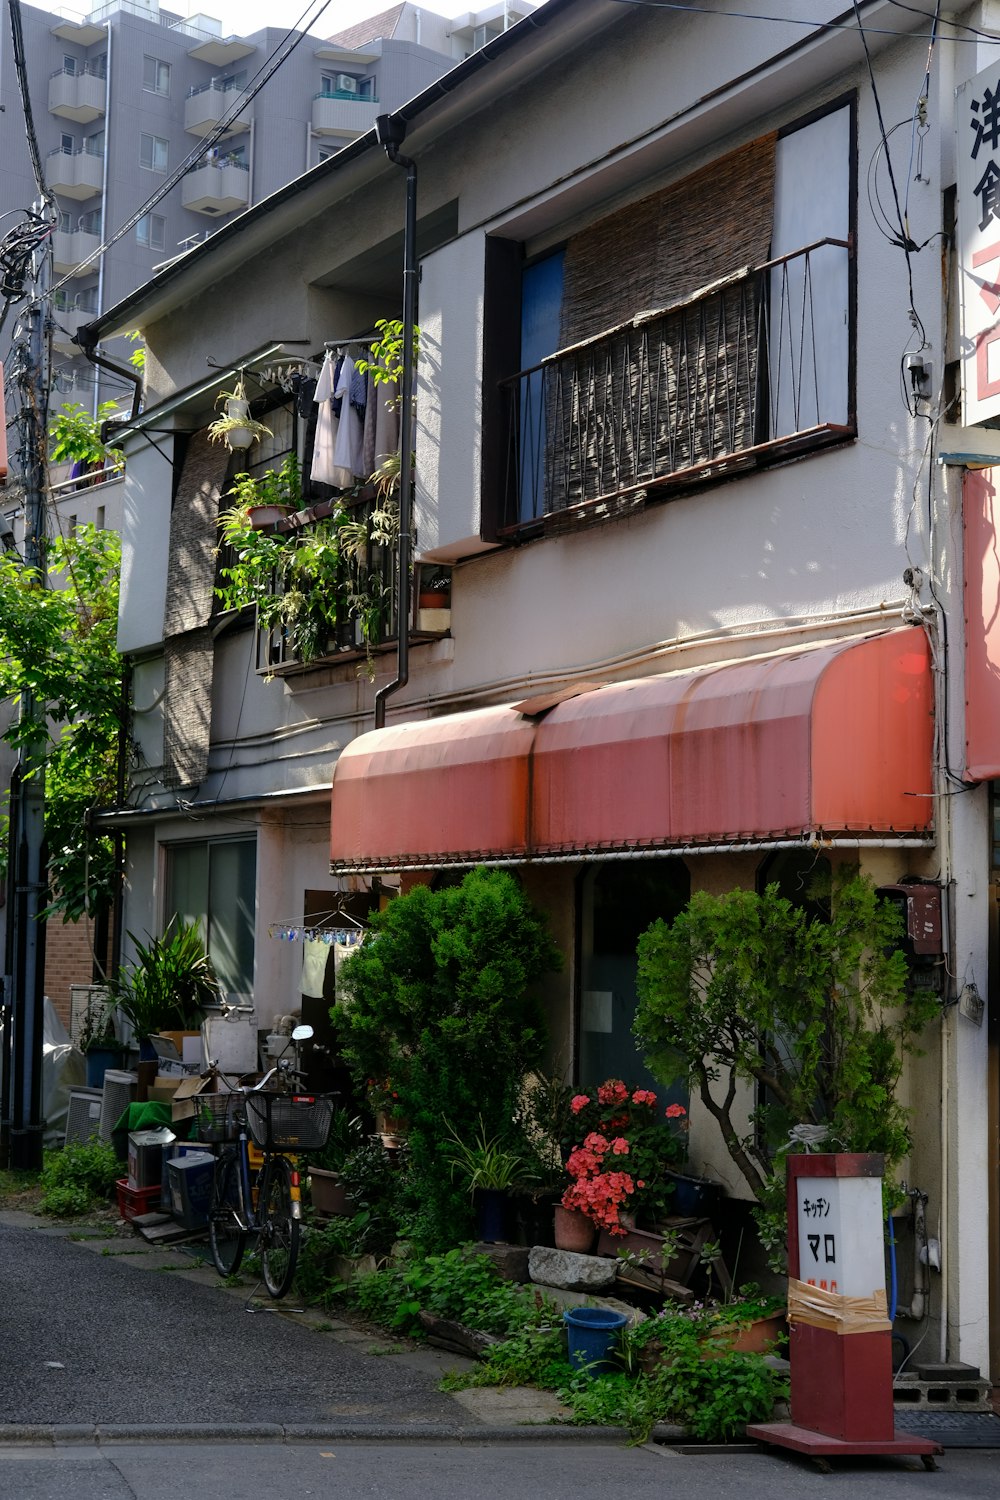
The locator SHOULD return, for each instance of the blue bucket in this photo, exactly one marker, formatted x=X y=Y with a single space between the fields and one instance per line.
x=591 y=1333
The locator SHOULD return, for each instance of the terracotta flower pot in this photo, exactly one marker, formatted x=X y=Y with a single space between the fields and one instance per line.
x=573 y=1230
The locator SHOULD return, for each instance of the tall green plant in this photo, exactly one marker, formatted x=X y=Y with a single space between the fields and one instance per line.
x=441 y=1001
x=817 y=1014
x=60 y=644
x=168 y=984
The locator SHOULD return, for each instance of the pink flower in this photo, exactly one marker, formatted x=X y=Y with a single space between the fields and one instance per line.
x=612 y=1092
x=578 y=1102
x=643 y=1096
x=675 y=1111
x=620 y=1146
x=596 y=1143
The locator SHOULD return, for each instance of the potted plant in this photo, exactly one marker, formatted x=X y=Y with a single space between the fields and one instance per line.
x=624 y=1148
x=329 y=1194
x=489 y=1169
x=168 y=985
x=99 y=1043
x=435 y=588
x=261 y=499
x=236 y=427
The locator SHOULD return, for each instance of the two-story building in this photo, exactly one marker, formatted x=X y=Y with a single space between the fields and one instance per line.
x=688 y=438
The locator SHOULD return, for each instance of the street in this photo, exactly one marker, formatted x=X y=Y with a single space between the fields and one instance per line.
x=133 y=1373
x=567 y=1469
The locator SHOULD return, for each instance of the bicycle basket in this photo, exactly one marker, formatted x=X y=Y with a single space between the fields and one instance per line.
x=216 y=1117
x=289 y=1122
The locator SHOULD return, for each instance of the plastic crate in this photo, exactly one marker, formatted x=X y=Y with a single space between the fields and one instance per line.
x=133 y=1202
x=289 y=1122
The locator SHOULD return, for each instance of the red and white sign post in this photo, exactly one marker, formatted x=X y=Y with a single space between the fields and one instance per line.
x=840 y=1336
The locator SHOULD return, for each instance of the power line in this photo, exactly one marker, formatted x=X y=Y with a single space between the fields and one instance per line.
x=21 y=70
x=748 y=15
x=264 y=74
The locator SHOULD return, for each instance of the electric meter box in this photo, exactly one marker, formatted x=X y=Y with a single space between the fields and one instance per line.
x=231 y=1042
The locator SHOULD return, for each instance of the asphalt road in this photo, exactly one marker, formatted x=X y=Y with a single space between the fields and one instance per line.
x=549 y=1470
x=112 y=1332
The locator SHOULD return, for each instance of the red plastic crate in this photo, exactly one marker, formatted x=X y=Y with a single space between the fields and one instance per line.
x=135 y=1201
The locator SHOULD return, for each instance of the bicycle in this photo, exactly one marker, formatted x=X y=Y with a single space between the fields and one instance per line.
x=276 y=1121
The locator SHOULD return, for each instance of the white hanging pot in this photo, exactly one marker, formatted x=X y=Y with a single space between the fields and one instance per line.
x=239 y=439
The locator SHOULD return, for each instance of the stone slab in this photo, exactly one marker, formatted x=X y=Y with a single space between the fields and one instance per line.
x=563 y=1268
x=512 y=1406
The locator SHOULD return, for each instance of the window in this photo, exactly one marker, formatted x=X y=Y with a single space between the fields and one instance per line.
x=723 y=304
x=69 y=65
x=98 y=66
x=233 y=80
x=94 y=144
x=65 y=224
x=155 y=76
x=67 y=143
x=153 y=152
x=213 y=882
x=151 y=231
x=90 y=222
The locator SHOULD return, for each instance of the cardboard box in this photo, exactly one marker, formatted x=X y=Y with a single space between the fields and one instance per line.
x=185 y=1100
x=163 y=1088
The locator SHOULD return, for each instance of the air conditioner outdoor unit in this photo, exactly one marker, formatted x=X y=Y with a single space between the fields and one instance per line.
x=346 y=84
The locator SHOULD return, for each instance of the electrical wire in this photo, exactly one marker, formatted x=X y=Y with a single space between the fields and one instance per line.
x=975 y=38
x=21 y=71
x=264 y=74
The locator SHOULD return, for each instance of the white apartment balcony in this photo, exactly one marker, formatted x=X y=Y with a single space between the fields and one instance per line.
x=74 y=174
x=69 y=249
x=76 y=96
x=70 y=27
x=342 y=114
x=208 y=46
x=66 y=321
x=205 y=106
x=216 y=188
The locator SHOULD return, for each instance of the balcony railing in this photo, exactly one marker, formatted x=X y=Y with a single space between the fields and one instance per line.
x=748 y=370
x=355 y=615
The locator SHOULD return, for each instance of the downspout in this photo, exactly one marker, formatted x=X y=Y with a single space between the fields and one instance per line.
x=89 y=346
x=250 y=197
x=390 y=131
x=104 y=198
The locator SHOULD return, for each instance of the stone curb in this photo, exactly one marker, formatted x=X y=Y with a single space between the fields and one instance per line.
x=151 y=1432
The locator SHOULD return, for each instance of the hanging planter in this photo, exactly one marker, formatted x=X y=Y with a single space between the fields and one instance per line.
x=236 y=427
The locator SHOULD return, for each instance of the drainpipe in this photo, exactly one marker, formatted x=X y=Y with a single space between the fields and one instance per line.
x=390 y=131
x=104 y=198
x=89 y=346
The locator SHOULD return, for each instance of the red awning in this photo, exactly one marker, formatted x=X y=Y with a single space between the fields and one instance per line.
x=830 y=741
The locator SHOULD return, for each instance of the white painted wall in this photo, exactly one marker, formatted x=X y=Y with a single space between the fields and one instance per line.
x=145 y=544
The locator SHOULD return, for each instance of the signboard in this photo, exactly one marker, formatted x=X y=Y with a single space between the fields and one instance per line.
x=840 y=1234
x=977 y=123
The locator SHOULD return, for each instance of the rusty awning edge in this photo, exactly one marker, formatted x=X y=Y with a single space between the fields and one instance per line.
x=814 y=842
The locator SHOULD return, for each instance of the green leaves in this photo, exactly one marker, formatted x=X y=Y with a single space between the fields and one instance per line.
x=59 y=644
x=816 y=1013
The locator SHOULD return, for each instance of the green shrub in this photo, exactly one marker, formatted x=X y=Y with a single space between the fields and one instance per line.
x=443 y=1017
x=77 y=1177
x=459 y=1285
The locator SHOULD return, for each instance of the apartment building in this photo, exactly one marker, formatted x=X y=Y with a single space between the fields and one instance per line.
x=124 y=96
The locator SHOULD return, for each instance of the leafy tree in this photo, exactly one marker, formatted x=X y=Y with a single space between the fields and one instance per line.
x=74 y=436
x=440 y=1005
x=59 y=644
x=816 y=1013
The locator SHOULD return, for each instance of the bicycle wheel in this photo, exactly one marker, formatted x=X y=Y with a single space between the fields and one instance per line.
x=279 y=1231
x=225 y=1235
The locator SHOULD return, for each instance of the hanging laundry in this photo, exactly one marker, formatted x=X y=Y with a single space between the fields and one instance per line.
x=315 y=958
x=386 y=422
x=348 y=454
x=326 y=425
x=371 y=416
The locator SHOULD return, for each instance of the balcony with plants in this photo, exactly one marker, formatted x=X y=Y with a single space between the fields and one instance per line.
x=322 y=578
x=747 y=371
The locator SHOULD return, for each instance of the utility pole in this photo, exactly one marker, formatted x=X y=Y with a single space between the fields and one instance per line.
x=25 y=952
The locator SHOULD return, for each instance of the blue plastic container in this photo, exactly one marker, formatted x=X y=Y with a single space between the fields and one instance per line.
x=591 y=1333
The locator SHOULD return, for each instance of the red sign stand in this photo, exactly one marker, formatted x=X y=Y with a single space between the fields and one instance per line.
x=841 y=1380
